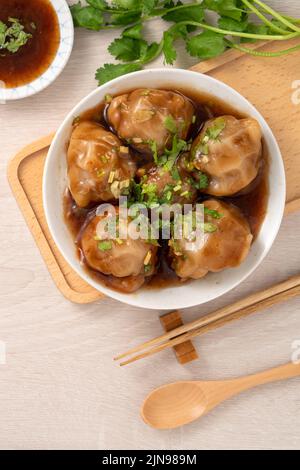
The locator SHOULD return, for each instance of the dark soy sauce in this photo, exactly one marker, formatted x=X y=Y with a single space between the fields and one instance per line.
x=32 y=59
x=252 y=201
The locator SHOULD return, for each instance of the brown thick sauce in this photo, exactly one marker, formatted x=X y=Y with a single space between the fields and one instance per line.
x=252 y=201
x=31 y=60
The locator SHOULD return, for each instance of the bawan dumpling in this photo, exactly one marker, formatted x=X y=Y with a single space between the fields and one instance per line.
x=130 y=260
x=226 y=243
x=229 y=151
x=100 y=167
x=147 y=116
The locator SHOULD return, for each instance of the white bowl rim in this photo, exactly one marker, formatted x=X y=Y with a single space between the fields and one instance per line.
x=66 y=27
x=130 y=298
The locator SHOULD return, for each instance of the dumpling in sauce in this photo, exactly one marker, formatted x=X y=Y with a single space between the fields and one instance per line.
x=226 y=243
x=145 y=116
x=100 y=167
x=229 y=151
x=128 y=260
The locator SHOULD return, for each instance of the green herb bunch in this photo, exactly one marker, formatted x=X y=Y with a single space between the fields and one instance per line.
x=237 y=23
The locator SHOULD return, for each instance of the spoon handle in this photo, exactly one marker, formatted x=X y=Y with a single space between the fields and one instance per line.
x=284 y=372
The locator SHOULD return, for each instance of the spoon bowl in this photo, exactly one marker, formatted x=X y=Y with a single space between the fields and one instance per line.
x=179 y=403
x=174 y=403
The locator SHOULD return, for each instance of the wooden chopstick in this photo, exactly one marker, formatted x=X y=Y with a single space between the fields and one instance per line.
x=255 y=302
x=228 y=310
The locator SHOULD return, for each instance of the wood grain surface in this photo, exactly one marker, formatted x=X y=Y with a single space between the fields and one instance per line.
x=59 y=387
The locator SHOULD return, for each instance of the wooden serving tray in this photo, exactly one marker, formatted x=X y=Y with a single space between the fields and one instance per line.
x=27 y=166
x=267 y=83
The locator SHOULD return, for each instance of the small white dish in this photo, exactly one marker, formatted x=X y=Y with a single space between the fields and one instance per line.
x=63 y=53
x=195 y=292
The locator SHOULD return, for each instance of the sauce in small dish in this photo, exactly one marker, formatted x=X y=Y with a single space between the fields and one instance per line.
x=39 y=21
x=36 y=41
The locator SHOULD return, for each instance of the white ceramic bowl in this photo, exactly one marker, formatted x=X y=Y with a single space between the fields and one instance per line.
x=196 y=292
x=59 y=62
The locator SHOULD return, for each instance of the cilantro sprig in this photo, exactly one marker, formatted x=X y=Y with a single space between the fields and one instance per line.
x=239 y=21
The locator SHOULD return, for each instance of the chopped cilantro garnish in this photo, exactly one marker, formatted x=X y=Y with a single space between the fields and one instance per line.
x=170 y=124
x=13 y=37
x=209 y=228
x=150 y=191
x=105 y=245
x=202 y=181
x=175 y=173
x=153 y=147
x=213 y=213
x=168 y=159
x=215 y=129
x=212 y=134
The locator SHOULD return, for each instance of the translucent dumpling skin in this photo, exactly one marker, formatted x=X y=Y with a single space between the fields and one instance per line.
x=225 y=246
x=99 y=165
x=144 y=116
x=229 y=151
x=129 y=259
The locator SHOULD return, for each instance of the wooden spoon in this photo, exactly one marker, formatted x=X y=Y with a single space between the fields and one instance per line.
x=180 y=403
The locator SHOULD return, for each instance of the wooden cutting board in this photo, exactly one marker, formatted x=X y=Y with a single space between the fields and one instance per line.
x=267 y=83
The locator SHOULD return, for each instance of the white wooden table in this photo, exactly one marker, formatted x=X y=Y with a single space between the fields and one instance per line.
x=59 y=387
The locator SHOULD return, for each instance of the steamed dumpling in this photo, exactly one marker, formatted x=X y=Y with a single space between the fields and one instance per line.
x=130 y=259
x=227 y=241
x=229 y=151
x=100 y=167
x=147 y=115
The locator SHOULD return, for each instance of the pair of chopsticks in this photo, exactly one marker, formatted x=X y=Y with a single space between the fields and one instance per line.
x=241 y=309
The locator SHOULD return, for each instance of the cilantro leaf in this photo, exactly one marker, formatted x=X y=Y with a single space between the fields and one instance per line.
x=189 y=13
x=206 y=45
x=232 y=25
x=168 y=47
x=150 y=53
x=133 y=32
x=148 y=6
x=99 y=4
x=228 y=8
x=132 y=47
x=255 y=29
x=279 y=24
x=124 y=18
x=127 y=4
x=169 y=37
x=127 y=49
x=87 y=17
x=110 y=71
